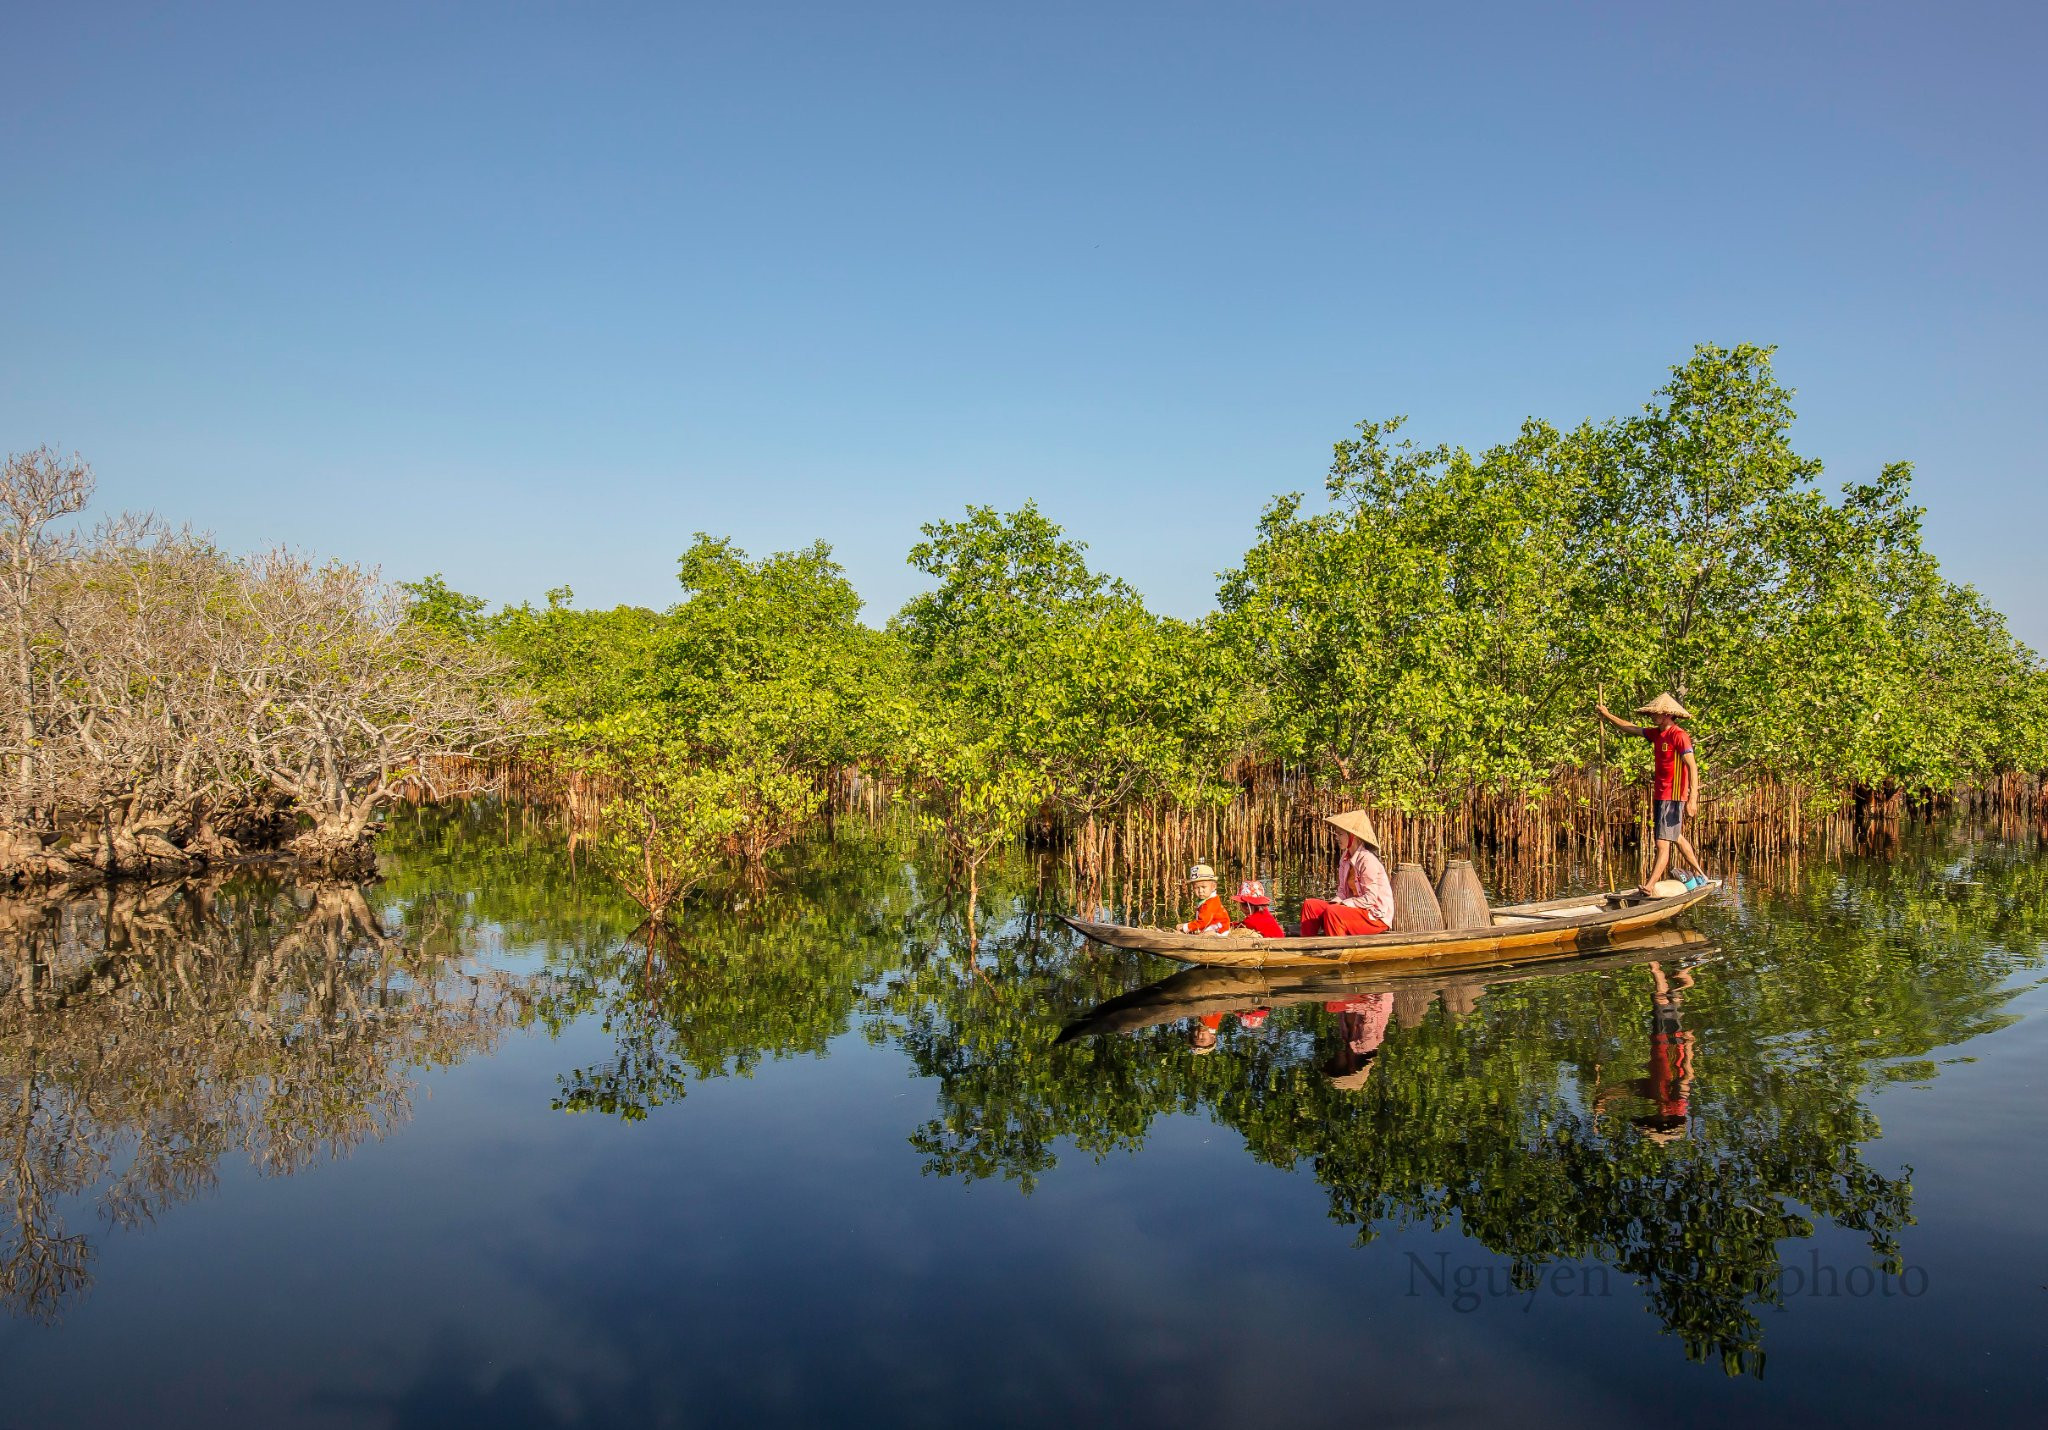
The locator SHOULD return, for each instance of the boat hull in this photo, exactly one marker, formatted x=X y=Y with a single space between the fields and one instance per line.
x=1537 y=929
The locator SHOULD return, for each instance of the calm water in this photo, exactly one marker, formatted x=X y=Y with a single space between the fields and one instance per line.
x=454 y=1150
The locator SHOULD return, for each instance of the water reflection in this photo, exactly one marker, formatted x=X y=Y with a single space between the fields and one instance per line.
x=750 y=976
x=1681 y=1112
x=1676 y=1118
x=1689 y=1112
x=148 y=1033
x=1518 y=1123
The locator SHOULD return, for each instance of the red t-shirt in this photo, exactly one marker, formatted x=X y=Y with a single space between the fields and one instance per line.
x=1263 y=923
x=1672 y=745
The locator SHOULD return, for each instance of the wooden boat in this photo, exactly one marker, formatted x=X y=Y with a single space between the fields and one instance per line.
x=1194 y=992
x=1590 y=921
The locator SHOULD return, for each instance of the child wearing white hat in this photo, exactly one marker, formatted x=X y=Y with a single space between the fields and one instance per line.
x=1212 y=916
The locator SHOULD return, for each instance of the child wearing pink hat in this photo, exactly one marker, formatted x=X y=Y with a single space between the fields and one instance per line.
x=1252 y=894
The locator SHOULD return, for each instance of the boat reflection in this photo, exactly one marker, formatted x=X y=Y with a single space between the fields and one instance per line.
x=1410 y=986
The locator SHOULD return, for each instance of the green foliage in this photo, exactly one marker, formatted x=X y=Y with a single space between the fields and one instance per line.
x=1408 y=638
x=1038 y=680
x=580 y=665
x=767 y=674
x=667 y=817
x=1438 y=627
x=713 y=726
x=433 y=603
x=1442 y=626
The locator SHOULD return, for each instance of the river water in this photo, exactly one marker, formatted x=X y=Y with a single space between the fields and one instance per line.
x=456 y=1149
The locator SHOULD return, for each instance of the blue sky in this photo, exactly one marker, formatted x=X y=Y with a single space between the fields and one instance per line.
x=529 y=294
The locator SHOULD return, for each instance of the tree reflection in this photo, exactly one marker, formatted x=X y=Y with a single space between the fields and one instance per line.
x=752 y=973
x=1677 y=1112
x=147 y=1033
x=1514 y=1107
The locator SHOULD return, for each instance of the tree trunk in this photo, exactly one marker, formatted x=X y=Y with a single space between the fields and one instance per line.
x=338 y=846
x=22 y=583
x=973 y=892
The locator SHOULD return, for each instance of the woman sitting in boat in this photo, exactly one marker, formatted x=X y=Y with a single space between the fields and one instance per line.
x=1365 y=896
x=1211 y=917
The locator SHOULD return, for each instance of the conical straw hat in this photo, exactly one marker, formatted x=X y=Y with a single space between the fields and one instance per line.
x=1358 y=824
x=1665 y=704
x=1353 y=1081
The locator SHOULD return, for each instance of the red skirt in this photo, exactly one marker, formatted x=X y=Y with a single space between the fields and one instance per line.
x=1321 y=919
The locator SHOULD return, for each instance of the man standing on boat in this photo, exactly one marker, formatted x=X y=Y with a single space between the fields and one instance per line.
x=1676 y=790
x=1365 y=896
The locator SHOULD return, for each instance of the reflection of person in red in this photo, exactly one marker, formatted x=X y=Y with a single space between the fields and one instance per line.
x=1202 y=1036
x=1365 y=896
x=1361 y=1028
x=1669 y=1085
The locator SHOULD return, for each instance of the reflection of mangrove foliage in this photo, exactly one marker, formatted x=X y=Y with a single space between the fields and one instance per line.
x=1522 y=1119
x=459 y=873
x=150 y=1032
x=984 y=1028
x=1526 y=1115
x=770 y=974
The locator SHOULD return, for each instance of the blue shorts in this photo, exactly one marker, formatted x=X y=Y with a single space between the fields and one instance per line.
x=1670 y=812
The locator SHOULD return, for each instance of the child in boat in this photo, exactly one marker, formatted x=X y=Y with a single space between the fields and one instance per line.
x=1252 y=894
x=1211 y=916
x=1676 y=790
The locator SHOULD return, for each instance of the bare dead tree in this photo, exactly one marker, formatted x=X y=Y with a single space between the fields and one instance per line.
x=37 y=489
x=163 y=694
x=343 y=703
x=150 y=743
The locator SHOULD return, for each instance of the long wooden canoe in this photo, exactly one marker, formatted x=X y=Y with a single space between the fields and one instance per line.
x=1193 y=992
x=1587 y=922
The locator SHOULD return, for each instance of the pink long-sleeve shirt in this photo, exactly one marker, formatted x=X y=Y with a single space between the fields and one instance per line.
x=1362 y=883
